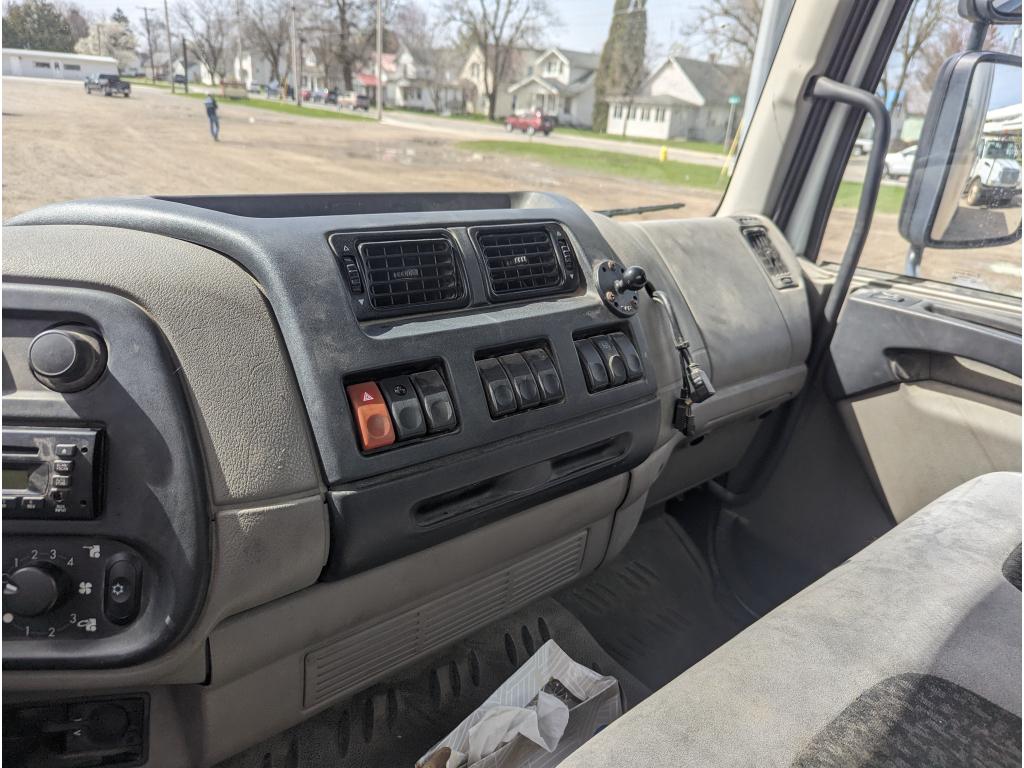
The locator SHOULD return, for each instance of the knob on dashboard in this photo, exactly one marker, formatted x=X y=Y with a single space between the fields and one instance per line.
x=34 y=590
x=67 y=358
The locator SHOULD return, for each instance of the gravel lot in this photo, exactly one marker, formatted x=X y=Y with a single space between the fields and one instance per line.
x=60 y=144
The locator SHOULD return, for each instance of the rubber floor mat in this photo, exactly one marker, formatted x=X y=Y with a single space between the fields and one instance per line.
x=392 y=724
x=654 y=607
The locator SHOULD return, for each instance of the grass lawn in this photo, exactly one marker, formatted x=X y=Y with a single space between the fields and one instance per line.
x=696 y=146
x=890 y=198
x=600 y=161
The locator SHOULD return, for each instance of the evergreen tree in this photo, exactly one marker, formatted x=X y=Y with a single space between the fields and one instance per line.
x=621 y=69
x=37 y=25
x=120 y=17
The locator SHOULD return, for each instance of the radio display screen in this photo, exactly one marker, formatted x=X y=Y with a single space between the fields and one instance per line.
x=15 y=478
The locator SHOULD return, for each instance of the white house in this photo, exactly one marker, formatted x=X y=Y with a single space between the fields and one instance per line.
x=54 y=65
x=421 y=77
x=560 y=84
x=682 y=98
x=520 y=65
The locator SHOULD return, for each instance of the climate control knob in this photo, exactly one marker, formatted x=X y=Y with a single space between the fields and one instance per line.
x=34 y=590
x=67 y=358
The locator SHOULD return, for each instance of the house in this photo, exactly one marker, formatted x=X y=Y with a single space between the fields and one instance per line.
x=472 y=78
x=561 y=84
x=682 y=98
x=424 y=79
x=54 y=65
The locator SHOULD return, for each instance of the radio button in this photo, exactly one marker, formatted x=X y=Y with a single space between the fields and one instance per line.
x=33 y=504
x=63 y=466
x=11 y=505
x=61 y=481
x=65 y=451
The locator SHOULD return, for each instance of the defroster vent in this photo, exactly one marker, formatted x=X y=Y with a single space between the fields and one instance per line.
x=769 y=257
x=521 y=261
x=411 y=274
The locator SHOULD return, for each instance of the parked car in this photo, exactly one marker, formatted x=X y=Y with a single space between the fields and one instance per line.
x=995 y=177
x=530 y=123
x=331 y=97
x=862 y=146
x=180 y=79
x=353 y=100
x=108 y=85
x=900 y=163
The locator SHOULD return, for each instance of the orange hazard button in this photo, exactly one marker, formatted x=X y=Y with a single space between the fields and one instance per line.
x=372 y=417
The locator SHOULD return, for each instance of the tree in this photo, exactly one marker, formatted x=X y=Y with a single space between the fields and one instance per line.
x=497 y=28
x=37 y=25
x=110 y=38
x=921 y=29
x=267 y=27
x=207 y=25
x=119 y=17
x=728 y=29
x=622 y=65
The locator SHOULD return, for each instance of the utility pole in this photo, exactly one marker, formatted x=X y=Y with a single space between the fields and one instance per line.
x=184 y=60
x=296 y=74
x=380 y=56
x=170 y=49
x=149 y=41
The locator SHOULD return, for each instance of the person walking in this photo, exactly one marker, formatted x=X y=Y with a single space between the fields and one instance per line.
x=211 y=114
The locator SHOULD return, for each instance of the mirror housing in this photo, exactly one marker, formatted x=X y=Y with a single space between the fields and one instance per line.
x=932 y=215
x=990 y=11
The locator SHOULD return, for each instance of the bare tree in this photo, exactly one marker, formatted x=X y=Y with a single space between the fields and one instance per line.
x=923 y=29
x=498 y=28
x=267 y=28
x=728 y=28
x=208 y=28
x=428 y=40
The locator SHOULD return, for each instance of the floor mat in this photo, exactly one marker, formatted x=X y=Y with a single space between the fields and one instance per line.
x=654 y=608
x=394 y=723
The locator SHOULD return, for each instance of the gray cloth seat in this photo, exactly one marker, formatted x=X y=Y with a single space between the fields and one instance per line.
x=926 y=602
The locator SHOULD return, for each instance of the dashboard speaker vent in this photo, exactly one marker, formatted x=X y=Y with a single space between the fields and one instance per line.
x=769 y=256
x=412 y=273
x=526 y=261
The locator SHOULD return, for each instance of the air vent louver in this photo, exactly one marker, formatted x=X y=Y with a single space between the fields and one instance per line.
x=769 y=257
x=520 y=261
x=411 y=274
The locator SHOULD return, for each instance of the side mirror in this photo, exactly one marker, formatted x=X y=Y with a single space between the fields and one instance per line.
x=965 y=187
x=990 y=11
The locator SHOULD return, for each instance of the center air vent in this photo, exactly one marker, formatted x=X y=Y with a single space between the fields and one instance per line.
x=408 y=274
x=521 y=261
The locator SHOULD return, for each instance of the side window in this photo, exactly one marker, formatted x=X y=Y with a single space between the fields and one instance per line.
x=932 y=33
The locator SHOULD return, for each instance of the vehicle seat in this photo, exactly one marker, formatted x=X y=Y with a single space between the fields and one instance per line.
x=907 y=654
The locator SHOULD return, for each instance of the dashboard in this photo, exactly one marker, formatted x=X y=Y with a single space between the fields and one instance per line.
x=252 y=444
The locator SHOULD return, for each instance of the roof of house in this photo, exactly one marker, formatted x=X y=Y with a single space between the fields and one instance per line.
x=580 y=59
x=663 y=100
x=58 y=55
x=716 y=82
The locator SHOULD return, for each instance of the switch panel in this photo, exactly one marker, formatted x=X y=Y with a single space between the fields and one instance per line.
x=398 y=409
x=519 y=381
x=609 y=360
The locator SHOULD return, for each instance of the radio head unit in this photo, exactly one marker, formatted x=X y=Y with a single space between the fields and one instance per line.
x=51 y=473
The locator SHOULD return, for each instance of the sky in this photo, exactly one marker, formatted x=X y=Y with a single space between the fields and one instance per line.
x=584 y=22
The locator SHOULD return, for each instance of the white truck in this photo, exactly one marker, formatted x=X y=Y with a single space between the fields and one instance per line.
x=995 y=176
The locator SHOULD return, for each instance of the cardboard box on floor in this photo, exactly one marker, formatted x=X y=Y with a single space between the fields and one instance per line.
x=522 y=725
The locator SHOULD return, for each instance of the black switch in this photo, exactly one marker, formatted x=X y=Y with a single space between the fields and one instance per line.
x=593 y=365
x=406 y=413
x=631 y=358
x=546 y=373
x=523 y=382
x=612 y=360
x=122 y=591
x=501 y=399
x=437 y=403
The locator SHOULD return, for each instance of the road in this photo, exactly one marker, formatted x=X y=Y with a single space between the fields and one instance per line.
x=60 y=144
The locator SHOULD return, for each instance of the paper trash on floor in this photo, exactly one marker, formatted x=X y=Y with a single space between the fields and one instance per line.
x=535 y=719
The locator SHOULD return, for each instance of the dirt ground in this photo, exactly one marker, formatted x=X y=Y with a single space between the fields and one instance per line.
x=60 y=144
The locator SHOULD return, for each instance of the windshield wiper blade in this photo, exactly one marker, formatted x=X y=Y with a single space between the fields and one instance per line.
x=641 y=209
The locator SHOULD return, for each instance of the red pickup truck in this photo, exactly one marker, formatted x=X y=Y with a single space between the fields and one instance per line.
x=530 y=123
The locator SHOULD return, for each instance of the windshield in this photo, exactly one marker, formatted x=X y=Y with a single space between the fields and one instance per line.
x=626 y=103
x=999 y=150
